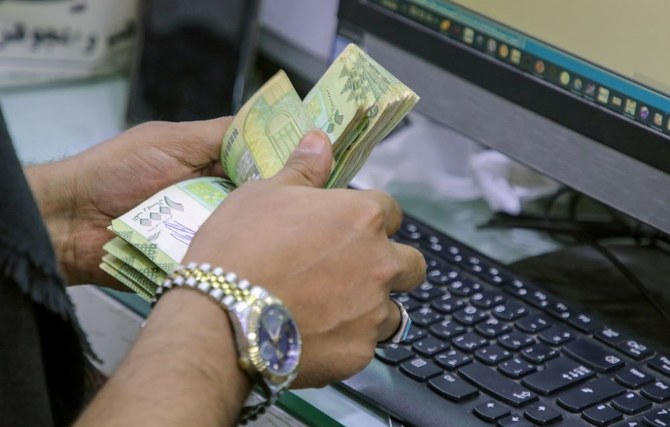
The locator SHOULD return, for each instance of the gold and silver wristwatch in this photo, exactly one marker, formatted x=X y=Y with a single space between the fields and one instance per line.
x=268 y=340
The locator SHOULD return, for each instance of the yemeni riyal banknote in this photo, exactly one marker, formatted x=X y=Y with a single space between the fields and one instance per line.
x=356 y=103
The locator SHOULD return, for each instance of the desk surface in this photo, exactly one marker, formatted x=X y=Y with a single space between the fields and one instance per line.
x=52 y=122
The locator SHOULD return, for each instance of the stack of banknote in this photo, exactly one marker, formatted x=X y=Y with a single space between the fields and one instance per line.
x=356 y=103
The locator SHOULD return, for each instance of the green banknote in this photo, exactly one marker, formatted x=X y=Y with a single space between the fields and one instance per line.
x=264 y=132
x=356 y=103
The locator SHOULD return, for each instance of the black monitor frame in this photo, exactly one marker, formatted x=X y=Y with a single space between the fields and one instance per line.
x=599 y=152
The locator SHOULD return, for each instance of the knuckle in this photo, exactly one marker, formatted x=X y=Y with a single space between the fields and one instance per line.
x=385 y=271
x=371 y=214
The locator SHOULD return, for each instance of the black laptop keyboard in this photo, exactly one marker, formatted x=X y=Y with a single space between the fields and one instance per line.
x=489 y=348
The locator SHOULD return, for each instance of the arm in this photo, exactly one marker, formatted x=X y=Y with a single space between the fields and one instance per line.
x=325 y=253
x=182 y=371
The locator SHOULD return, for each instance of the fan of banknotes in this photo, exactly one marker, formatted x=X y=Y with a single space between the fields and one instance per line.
x=356 y=102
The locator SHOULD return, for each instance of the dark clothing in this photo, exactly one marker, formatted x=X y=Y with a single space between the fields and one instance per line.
x=42 y=363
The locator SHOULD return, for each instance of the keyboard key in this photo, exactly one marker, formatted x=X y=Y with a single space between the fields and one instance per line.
x=538 y=353
x=447 y=329
x=558 y=375
x=495 y=276
x=631 y=423
x=493 y=327
x=492 y=355
x=513 y=421
x=590 y=393
x=424 y=316
x=414 y=334
x=441 y=275
x=393 y=354
x=631 y=403
x=491 y=411
x=556 y=336
x=533 y=324
x=601 y=415
x=410 y=231
x=469 y=342
x=407 y=301
x=635 y=349
x=497 y=385
x=429 y=346
x=518 y=288
x=448 y=251
x=436 y=244
x=594 y=355
x=427 y=291
x=634 y=377
x=585 y=323
x=661 y=364
x=658 y=391
x=516 y=368
x=474 y=264
x=452 y=387
x=487 y=299
x=470 y=315
x=541 y=413
x=515 y=341
x=558 y=309
x=609 y=336
x=464 y=287
x=537 y=298
x=509 y=311
x=420 y=369
x=452 y=359
x=448 y=303
x=658 y=418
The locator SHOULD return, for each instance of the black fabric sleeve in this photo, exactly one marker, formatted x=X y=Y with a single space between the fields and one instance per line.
x=42 y=360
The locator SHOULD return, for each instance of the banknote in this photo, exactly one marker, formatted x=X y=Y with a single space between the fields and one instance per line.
x=159 y=231
x=264 y=132
x=357 y=102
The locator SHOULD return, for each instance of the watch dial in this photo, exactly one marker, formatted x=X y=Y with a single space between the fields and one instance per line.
x=278 y=340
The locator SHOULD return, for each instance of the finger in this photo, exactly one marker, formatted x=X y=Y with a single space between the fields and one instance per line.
x=390 y=326
x=412 y=265
x=208 y=134
x=392 y=210
x=309 y=164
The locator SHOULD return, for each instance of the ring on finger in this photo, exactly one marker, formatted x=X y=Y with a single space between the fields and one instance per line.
x=403 y=330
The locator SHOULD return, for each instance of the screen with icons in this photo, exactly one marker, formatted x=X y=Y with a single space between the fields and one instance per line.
x=604 y=56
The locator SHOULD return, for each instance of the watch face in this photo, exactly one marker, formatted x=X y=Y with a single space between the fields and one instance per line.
x=278 y=340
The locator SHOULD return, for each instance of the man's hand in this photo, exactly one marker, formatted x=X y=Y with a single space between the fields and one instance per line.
x=79 y=196
x=325 y=253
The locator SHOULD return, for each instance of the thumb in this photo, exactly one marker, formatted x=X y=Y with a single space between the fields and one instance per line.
x=310 y=162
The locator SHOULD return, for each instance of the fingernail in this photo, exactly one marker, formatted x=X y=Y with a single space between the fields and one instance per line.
x=313 y=143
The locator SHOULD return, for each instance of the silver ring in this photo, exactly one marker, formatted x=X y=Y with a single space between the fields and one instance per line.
x=403 y=330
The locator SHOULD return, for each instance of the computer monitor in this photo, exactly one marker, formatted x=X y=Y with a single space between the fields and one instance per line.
x=579 y=91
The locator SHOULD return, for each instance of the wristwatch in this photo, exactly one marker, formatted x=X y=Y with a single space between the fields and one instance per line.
x=267 y=337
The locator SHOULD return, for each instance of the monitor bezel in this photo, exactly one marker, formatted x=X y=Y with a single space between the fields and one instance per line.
x=561 y=106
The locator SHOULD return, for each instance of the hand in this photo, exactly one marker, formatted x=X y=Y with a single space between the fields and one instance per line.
x=325 y=253
x=79 y=196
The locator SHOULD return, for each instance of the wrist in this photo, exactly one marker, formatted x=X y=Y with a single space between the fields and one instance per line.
x=182 y=370
x=196 y=335
x=53 y=187
x=267 y=339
